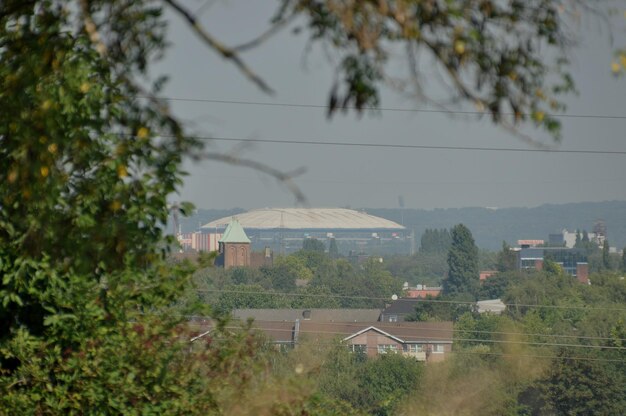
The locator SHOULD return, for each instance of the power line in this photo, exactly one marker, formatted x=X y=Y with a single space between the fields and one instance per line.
x=416 y=300
x=464 y=330
x=194 y=318
x=407 y=146
x=318 y=343
x=390 y=109
x=432 y=339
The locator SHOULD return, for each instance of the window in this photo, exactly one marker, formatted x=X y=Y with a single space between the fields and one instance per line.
x=438 y=348
x=393 y=318
x=386 y=348
x=360 y=348
x=414 y=348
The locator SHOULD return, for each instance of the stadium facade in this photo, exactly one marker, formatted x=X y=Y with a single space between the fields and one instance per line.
x=284 y=229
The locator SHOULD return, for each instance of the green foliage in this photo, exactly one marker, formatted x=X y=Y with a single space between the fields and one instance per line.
x=421 y=268
x=582 y=387
x=313 y=244
x=444 y=308
x=375 y=386
x=462 y=263
x=489 y=52
x=496 y=286
x=606 y=259
x=333 y=250
x=552 y=267
x=435 y=241
x=507 y=259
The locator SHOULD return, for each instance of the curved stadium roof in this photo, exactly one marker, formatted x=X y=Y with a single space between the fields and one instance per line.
x=307 y=219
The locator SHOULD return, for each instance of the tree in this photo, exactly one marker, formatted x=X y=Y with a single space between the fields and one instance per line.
x=435 y=241
x=313 y=244
x=462 y=263
x=89 y=155
x=624 y=259
x=89 y=320
x=606 y=256
x=507 y=259
x=333 y=250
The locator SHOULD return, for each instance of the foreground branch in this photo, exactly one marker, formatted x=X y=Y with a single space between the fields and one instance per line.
x=285 y=178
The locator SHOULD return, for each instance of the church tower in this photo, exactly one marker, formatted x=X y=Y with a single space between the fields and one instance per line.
x=234 y=246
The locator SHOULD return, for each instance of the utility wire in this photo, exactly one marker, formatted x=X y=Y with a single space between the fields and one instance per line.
x=502 y=354
x=195 y=318
x=404 y=146
x=434 y=339
x=390 y=109
x=416 y=300
x=360 y=325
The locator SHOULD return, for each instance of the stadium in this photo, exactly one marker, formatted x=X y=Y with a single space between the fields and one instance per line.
x=284 y=229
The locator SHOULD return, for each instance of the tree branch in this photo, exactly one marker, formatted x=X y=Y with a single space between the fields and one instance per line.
x=264 y=36
x=225 y=51
x=285 y=178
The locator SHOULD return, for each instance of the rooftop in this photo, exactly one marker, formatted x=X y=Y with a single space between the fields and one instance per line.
x=307 y=219
x=234 y=233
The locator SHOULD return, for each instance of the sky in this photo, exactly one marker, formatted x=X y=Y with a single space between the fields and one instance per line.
x=362 y=177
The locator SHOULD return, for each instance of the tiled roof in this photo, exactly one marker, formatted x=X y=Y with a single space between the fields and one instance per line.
x=402 y=306
x=317 y=315
x=234 y=233
x=406 y=331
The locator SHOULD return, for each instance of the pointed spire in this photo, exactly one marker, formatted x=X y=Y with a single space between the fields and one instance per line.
x=234 y=233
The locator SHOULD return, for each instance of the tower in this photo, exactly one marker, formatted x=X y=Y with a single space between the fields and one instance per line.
x=234 y=246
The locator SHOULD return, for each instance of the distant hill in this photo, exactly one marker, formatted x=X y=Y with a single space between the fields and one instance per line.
x=489 y=226
x=203 y=216
x=492 y=226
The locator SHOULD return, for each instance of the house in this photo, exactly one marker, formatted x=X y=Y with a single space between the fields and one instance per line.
x=315 y=315
x=359 y=329
x=486 y=274
x=399 y=310
x=424 y=341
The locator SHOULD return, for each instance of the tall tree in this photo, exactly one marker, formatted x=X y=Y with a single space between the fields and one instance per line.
x=463 y=276
x=606 y=256
x=435 y=241
x=333 y=250
x=507 y=259
x=313 y=244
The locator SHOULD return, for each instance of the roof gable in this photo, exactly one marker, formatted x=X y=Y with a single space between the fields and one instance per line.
x=234 y=233
x=373 y=328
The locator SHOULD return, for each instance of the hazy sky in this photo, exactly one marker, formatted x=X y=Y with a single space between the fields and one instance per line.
x=375 y=177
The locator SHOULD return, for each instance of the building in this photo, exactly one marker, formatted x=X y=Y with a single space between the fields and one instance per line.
x=234 y=247
x=573 y=261
x=399 y=309
x=420 y=291
x=424 y=341
x=359 y=329
x=486 y=274
x=199 y=241
x=495 y=306
x=314 y=315
x=284 y=229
